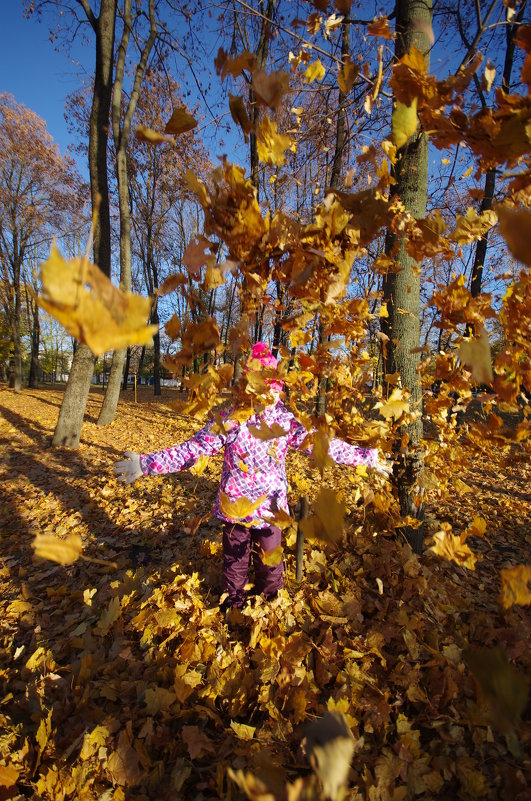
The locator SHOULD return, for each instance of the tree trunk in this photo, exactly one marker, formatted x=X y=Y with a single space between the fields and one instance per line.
x=121 y=133
x=476 y=279
x=402 y=289
x=17 y=350
x=35 y=342
x=68 y=429
x=126 y=368
x=335 y=179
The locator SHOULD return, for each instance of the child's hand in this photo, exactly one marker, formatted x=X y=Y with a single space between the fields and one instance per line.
x=382 y=467
x=128 y=470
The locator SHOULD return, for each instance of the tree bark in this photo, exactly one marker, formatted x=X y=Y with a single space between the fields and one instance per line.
x=476 y=278
x=68 y=429
x=35 y=343
x=402 y=289
x=121 y=131
x=335 y=178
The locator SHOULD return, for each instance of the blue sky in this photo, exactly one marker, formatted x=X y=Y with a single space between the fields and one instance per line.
x=34 y=72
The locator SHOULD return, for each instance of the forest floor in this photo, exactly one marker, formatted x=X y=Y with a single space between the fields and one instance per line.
x=120 y=678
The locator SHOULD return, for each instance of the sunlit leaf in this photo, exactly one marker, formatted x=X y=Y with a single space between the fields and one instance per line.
x=242 y=730
x=315 y=72
x=404 y=122
x=239 y=509
x=516 y=585
x=474 y=353
x=145 y=134
x=65 y=552
x=271 y=145
x=91 y=309
x=180 y=122
x=395 y=406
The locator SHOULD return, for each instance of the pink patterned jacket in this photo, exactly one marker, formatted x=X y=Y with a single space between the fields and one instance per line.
x=252 y=467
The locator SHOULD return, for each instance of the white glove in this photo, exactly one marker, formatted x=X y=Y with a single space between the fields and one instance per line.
x=382 y=467
x=128 y=470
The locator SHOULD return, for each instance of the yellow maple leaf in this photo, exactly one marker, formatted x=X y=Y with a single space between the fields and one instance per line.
x=515 y=225
x=474 y=353
x=404 y=122
x=453 y=548
x=272 y=557
x=180 y=122
x=173 y=327
x=65 y=552
x=151 y=137
x=270 y=144
x=472 y=226
x=242 y=730
x=91 y=309
x=515 y=585
x=240 y=508
x=327 y=522
x=265 y=432
x=315 y=71
x=347 y=75
x=395 y=406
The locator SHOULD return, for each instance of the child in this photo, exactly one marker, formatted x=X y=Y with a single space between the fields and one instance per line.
x=252 y=469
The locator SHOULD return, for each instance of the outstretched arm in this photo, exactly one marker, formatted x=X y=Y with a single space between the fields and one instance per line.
x=170 y=460
x=340 y=451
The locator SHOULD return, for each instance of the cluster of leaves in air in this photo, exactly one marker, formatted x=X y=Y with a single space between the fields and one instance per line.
x=123 y=680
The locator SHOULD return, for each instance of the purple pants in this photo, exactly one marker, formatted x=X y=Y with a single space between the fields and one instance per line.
x=238 y=543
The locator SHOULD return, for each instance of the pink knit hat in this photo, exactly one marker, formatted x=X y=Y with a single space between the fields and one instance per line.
x=260 y=353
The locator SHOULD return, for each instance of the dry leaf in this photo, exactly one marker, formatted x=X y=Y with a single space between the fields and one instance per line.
x=474 y=353
x=315 y=72
x=180 y=122
x=239 y=509
x=65 y=552
x=91 y=309
x=516 y=583
x=329 y=746
x=151 y=137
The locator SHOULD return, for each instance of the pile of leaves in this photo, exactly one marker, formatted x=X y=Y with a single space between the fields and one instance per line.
x=122 y=679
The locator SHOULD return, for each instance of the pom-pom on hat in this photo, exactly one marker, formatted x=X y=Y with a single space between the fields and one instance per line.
x=260 y=352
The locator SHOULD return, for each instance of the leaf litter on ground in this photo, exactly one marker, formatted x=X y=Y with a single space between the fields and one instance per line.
x=121 y=678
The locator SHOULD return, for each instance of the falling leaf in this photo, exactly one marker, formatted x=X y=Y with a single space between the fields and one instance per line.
x=472 y=226
x=329 y=746
x=194 y=256
x=239 y=114
x=380 y=27
x=173 y=327
x=180 y=122
x=505 y=689
x=474 y=353
x=151 y=137
x=515 y=225
x=315 y=72
x=270 y=144
x=395 y=406
x=239 y=509
x=347 y=75
x=404 y=122
x=272 y=557
x=91 y=309
x=171 y=283
x=489 y=75
x=516 y=585
x=265 y=432
x=65 y=552
x=270 y=88
x=453 y=548
x=108 y=617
